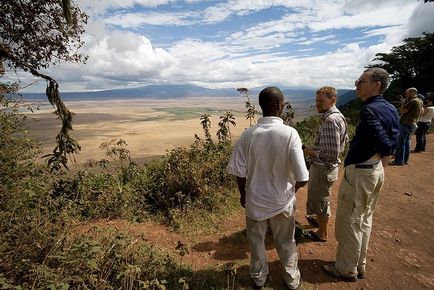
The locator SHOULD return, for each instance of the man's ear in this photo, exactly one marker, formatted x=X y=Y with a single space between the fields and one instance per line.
x=281 y=105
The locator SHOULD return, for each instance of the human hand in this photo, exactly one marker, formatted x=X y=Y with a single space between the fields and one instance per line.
x=308 y=152
x=385 y=160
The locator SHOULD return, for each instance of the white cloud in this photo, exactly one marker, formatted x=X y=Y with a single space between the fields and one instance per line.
x=379 y=32
x=125 y=54
x=216 y=14
x=381 y=15
x=97 y=7
x=222 y=11
x=422 y=20
x=116 y=59
x=326 y=38
x=134 y=20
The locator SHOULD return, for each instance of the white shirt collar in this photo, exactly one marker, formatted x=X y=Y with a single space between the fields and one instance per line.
x=270 y=120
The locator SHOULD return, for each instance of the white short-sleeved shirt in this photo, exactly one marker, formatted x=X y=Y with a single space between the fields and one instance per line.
x=428 y=115
x=270 y=157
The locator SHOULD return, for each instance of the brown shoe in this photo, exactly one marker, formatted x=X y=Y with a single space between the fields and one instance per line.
x=333 y=272
x=314 y=236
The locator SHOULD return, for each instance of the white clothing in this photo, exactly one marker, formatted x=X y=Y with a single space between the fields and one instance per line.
x=283 y=228
x=270 y=157
x=428 y=116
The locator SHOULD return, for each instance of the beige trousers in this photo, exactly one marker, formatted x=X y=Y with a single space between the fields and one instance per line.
x=358 y=196
x=283 y=229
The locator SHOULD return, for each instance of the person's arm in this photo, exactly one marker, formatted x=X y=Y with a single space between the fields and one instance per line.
x=403 y=109
x=309 y=152
x=241 y=182
x=379 y=134
x=385 y=160
x=301 y=174
x=299 y=184
x=424 y=111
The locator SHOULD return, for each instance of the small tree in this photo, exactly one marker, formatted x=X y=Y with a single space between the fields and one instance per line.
x=206 y=125
x=251 y=111
x=34 y=35
x=410 y=64
x=224 y=132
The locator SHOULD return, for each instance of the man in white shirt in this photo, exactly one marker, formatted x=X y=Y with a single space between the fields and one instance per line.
x=269 y=164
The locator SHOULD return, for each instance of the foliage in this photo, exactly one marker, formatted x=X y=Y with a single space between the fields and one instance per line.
x=224 y=132
x=65 y=144
x=187 y=177
x=307 y=129
x=206 y=126
x=17 y=151
x=35 y=35
x=288 y=114
x=411 y=65
x=251 y=111
x=99 y=259
x=351 y=110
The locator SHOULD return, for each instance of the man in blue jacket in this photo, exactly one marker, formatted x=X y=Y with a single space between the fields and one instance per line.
x=370 y=150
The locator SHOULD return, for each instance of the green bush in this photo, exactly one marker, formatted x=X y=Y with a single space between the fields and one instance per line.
x=188 y=176
x=307 y=129
x=99 y=259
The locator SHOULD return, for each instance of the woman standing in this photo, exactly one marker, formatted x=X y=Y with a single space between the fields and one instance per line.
x=424 y=124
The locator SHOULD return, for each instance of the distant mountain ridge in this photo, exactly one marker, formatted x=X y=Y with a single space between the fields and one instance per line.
x=345 y=96
x=180 y=91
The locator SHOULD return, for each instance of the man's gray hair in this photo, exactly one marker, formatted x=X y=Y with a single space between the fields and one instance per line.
x=413 y=91
x=380 y=75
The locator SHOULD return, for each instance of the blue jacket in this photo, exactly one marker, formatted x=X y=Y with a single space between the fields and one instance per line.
x=377 y=131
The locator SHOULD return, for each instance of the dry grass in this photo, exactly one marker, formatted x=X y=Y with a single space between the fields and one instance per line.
x=150 y=127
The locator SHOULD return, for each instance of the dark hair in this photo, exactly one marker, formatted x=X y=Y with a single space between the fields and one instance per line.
x=380 y=75
x=271 y=100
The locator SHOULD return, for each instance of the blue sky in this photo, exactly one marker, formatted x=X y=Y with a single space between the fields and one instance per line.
x=237 y=43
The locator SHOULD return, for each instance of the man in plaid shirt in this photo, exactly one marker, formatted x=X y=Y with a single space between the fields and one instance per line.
x=324 y=158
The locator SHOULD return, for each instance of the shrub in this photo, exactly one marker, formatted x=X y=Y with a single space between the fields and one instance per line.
x=188 y=176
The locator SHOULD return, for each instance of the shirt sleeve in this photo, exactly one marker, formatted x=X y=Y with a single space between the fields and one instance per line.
x=380 y=137
x=238 y=163
x=296 y=157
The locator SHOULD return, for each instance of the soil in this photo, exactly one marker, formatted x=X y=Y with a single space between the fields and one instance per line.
x=401 y=250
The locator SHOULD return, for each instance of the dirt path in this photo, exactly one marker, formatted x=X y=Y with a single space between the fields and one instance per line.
x=401 y=252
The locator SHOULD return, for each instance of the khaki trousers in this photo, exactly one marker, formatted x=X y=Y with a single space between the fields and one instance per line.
x=358 y=196
x=283 y=229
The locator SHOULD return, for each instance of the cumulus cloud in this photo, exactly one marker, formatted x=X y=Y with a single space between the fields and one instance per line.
x=421 y=20
x=116 y=59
